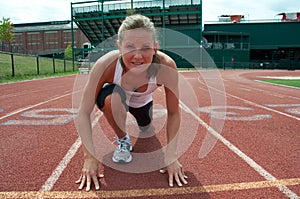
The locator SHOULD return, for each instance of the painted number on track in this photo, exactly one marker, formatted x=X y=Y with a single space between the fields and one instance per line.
x=49 y=116
x=62 y=116
x=228 y=113
x=289 y=108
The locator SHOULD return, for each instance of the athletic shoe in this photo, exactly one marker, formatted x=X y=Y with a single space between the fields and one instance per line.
x=122 y=152
x=148 y=128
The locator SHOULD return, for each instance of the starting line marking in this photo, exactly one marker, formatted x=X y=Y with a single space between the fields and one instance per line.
x=153 y=192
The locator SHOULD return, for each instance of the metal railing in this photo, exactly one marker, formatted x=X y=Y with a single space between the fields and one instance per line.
x=95 y=6
x=20 y=65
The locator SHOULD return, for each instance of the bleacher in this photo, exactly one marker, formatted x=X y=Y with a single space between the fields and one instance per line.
x=99 y=25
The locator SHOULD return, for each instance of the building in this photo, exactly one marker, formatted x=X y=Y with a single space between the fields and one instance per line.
x=44 y=38
x=273 y=44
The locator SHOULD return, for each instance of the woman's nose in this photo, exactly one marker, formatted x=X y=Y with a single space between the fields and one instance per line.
x=137 y=53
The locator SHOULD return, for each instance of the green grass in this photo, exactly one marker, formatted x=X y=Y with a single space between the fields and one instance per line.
x=25 y=67
x=294 y=83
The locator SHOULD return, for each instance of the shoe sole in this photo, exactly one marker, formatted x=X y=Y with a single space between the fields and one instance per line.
x=122 y=161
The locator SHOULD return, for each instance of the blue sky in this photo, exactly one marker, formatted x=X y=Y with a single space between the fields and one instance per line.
x=27 y=11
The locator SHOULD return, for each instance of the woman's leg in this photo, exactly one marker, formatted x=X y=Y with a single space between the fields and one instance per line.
x=111 y=101
x=115 y=113
x=143 y=115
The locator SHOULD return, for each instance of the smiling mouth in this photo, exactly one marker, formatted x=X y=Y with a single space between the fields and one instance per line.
x=137 y=63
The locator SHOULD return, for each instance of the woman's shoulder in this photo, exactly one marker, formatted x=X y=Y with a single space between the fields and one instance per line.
x=108 y=58
x=166 y=60
x=168 y=70
x=105 y=65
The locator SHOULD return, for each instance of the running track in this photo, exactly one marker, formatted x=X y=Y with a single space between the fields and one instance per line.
x=255 y=153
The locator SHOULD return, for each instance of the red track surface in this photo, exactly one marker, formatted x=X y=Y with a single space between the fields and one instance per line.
x=252 y=158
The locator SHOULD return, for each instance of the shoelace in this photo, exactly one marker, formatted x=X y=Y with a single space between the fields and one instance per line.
x=123 y=143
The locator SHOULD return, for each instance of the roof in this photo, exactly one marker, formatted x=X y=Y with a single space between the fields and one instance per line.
x=224 y=33
x=43 y=26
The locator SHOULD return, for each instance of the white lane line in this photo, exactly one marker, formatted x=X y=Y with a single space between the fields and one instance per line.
x=271 y=93
x=245 y=89
x=264 y=173
x=264 y=91
x=32 y=106
x=13 y=94
x=264 y=107
x=48 y=185
x=18 y=94
x=253 y=103
x=57 y=172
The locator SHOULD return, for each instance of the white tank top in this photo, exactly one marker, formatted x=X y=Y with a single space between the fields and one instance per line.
x=135 y=99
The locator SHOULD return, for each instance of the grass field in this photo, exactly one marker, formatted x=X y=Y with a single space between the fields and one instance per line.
x=294 y=83
x=30 y=67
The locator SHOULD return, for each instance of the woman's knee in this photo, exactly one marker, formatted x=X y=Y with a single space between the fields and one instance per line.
x=107 y=104
x=112 y=100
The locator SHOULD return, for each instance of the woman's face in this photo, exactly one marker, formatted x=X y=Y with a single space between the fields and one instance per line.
x=137 y=49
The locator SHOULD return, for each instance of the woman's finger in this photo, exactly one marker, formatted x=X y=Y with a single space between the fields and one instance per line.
x=96 y=182
x=79 y=180
x=82 y=182
x=88 y=183
x=178 y=180
x=182 y=176
x=171 y=179
x=101 y=175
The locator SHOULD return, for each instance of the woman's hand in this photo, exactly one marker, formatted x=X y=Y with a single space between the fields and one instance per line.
x=89 y=173
x=175 y=171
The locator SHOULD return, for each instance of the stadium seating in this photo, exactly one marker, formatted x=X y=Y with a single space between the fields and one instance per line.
x=98 y=25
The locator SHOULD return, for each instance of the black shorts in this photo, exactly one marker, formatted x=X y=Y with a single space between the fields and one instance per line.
x=143 y=115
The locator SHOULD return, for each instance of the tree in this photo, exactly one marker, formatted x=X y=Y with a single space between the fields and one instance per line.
x=6 y=33
x=6 y=30
x=68 y=52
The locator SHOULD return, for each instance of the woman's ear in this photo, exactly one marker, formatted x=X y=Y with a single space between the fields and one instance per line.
x=119 y=45
x=156 y=47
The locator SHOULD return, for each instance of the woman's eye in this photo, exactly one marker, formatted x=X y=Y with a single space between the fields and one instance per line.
x=130 y=47
x=146 y=49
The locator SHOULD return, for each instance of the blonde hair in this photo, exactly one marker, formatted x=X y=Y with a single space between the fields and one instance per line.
x=136 y=21
x=140 y=21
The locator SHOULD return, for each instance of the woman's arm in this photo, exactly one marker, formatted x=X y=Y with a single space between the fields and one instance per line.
x=169 y=77
x=100 y=74
x=173 y=124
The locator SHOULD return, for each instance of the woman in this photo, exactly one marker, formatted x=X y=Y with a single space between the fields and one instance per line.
x=125 y=79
